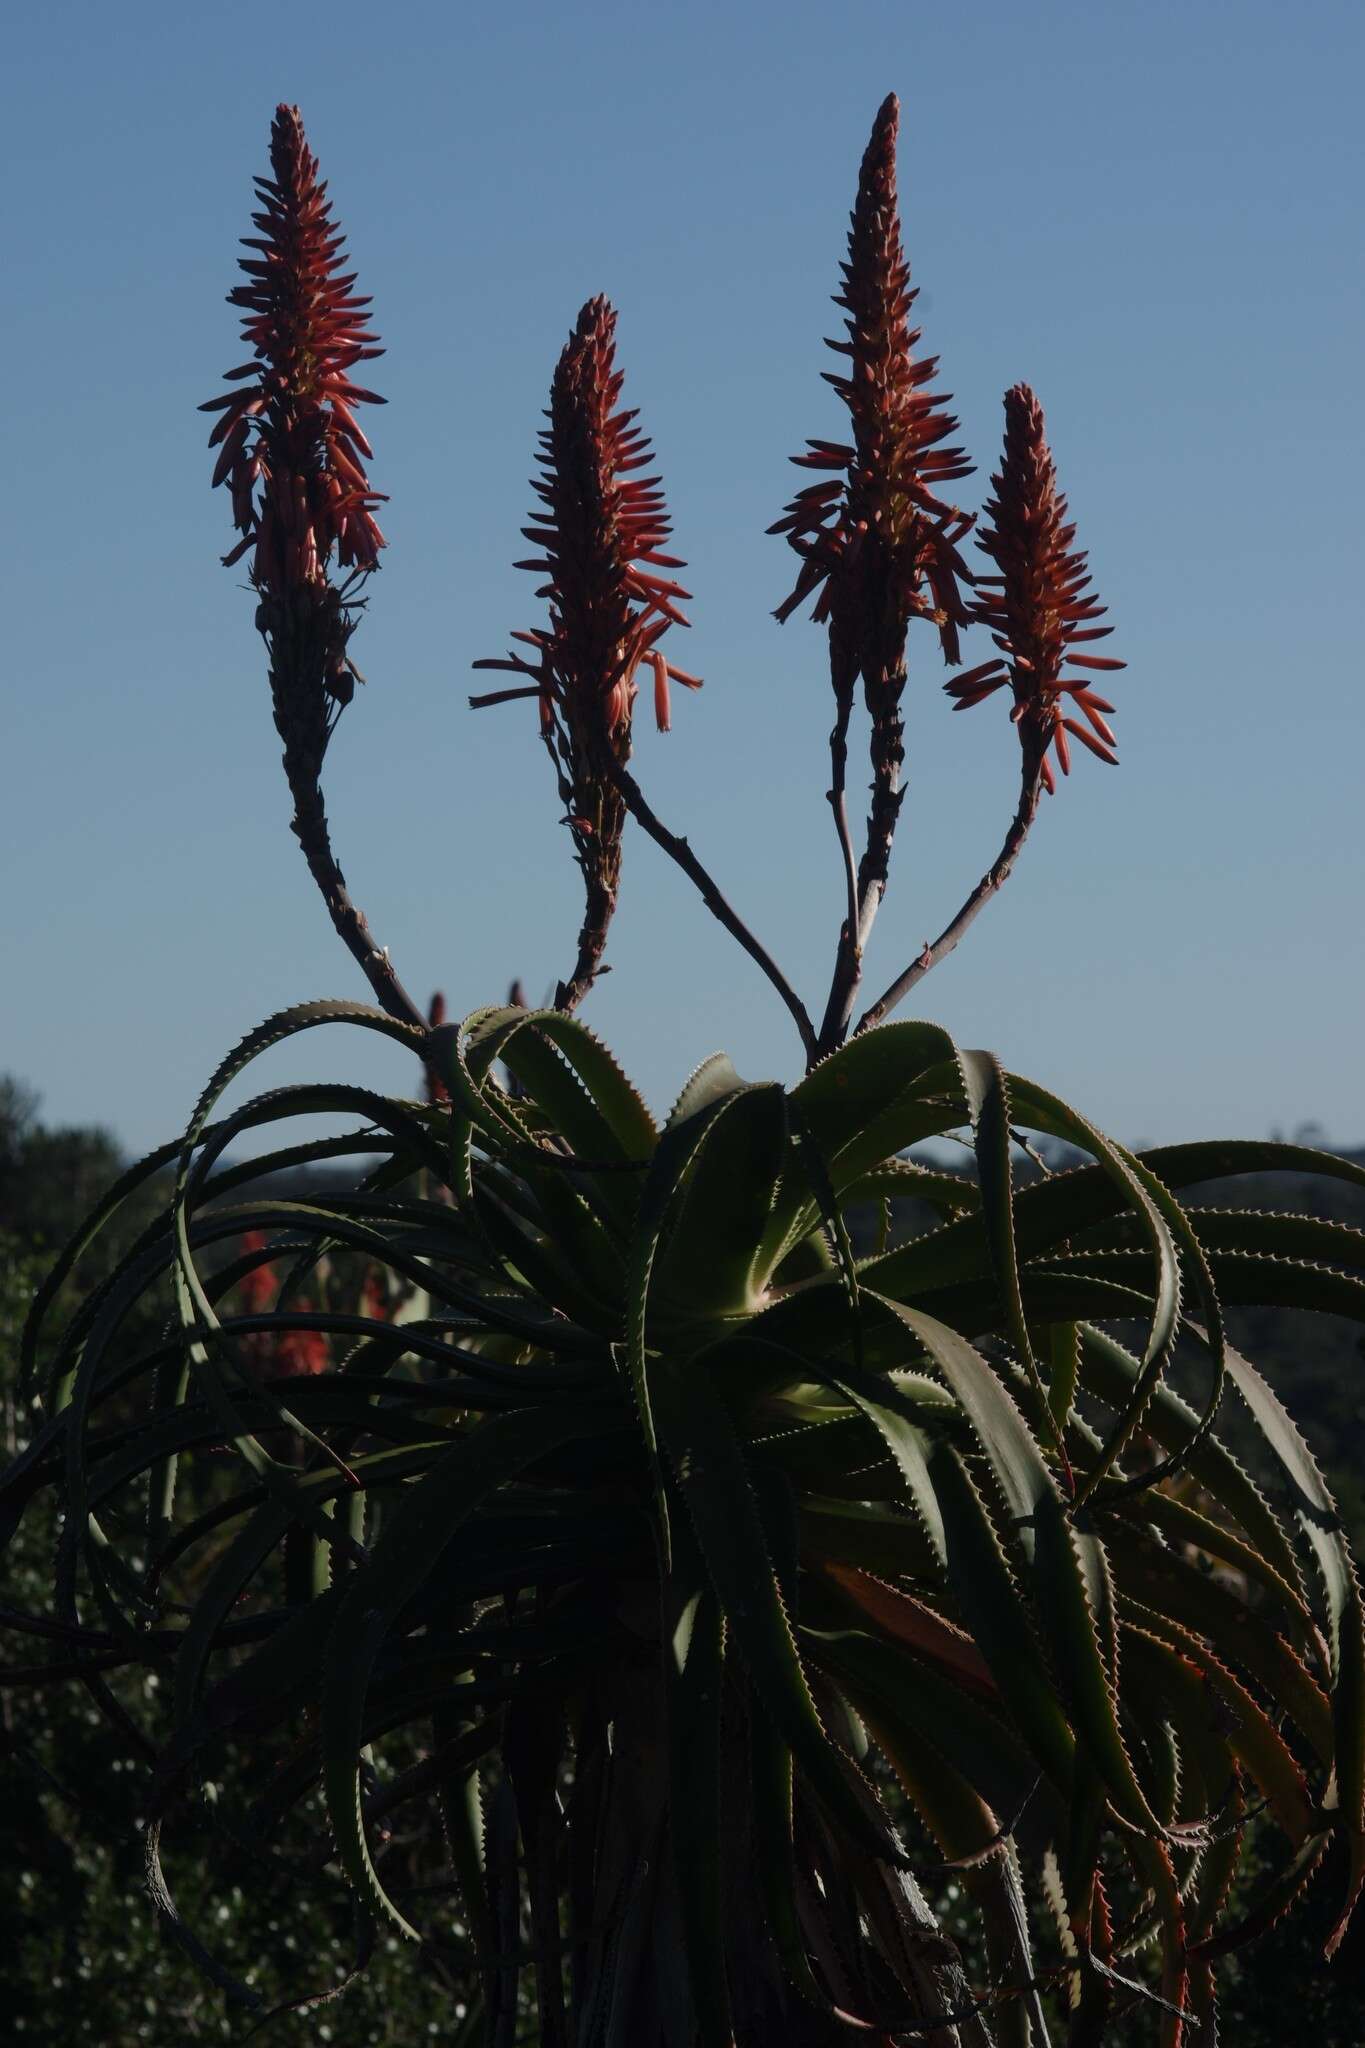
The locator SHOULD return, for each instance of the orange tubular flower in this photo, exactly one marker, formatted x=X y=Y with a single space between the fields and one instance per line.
x=1037 y=606
x=876 y=542
x=602 y=529
x=290 y=448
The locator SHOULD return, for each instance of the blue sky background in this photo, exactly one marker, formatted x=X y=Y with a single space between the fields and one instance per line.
x=1151 y=212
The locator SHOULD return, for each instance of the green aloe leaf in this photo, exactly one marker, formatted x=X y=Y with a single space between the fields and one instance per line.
x=1213 y=1337
x=1321 y=1524
x=861 y=1106
x=414 y=1535
x=694 y=1670
x=1068 y=1571
x=910 y=1703
x=1111 y=1372
x=714 y=1481
x=988 y=1100
x=713 y=1091
x=1252 y=1736
x=724 y=1164
x=1165 y=1582
x=1221 y=1158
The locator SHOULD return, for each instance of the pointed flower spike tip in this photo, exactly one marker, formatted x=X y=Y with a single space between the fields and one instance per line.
x=1039 y=604
x=877 y=542
x=291 y=450
x=600 y=531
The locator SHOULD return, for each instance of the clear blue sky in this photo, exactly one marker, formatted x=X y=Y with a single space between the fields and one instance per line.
x=1151 y=212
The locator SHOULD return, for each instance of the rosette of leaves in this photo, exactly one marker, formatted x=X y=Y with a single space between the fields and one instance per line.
x=740 y=1526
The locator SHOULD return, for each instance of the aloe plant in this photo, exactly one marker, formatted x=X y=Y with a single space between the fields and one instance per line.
x=705 y=1538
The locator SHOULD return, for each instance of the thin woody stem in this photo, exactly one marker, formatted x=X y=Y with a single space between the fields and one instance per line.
x=869 y=885
x=300 y=636
x=678 y=850
x=888 y=757
x=600 y=889
x=838 y=755
x=352 y=926
x=848 y=958
x=1030 y=792
x=592 y=944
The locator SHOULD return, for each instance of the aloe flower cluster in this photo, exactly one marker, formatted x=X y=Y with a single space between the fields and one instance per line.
x=1039 y=607
x=291 y=450
x=293 y=455
x=878 y=546
x=290 y=447
x=602 y=530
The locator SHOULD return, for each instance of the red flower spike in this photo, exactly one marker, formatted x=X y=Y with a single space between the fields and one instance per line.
x=598 y=524
x=292 y=452
x=256 y=1289
x=284 y=1354
x=301 y=1354
x=600 y=531
x=1040 y=606
x=878 y=546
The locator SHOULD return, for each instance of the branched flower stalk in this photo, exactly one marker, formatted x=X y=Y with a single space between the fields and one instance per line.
x=1040 y=609
x=602 y=530
x=292 y=455
x=878 y=545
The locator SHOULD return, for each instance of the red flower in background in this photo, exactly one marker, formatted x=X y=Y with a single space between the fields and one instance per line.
x=256 y=1289
x=276 y=1354
x=301 y=1354
x=291 y=450
x=877 y=543
x=1040 y=606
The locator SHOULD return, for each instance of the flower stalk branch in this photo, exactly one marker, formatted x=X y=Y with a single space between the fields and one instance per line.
x=292 y=455
x=878 y=545
x=995 y=877
x=678 y=849
x=602 y=530
x=1040 y=608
